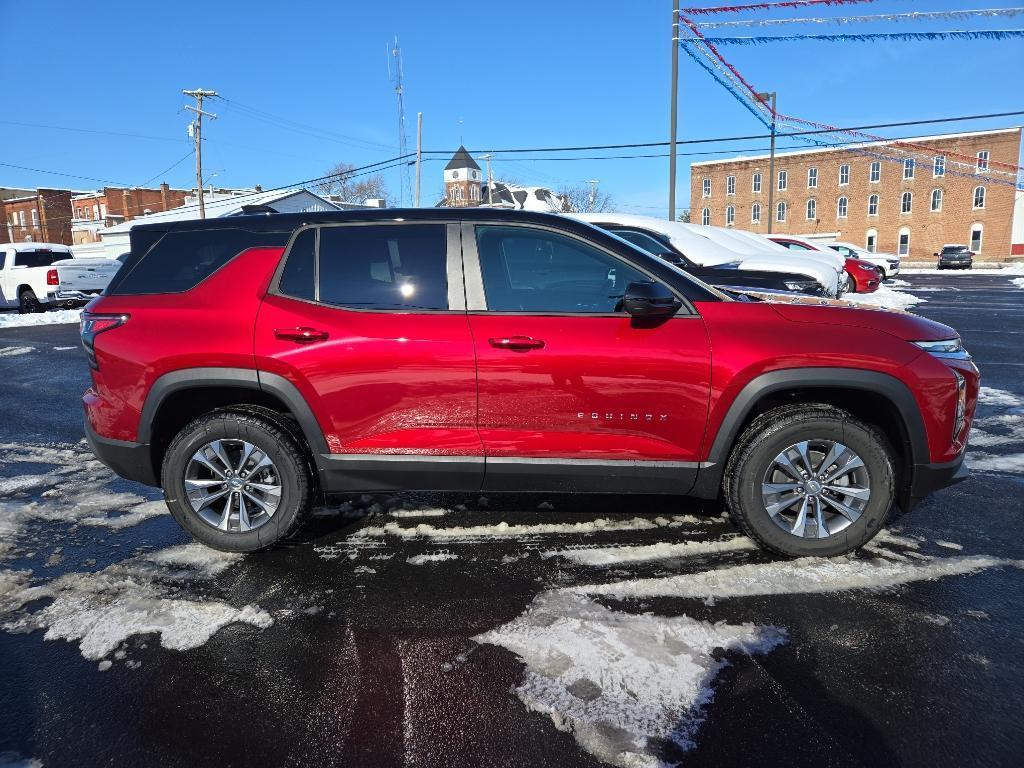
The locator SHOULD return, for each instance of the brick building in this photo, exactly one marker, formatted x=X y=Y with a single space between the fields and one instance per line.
x=462 y=180
x=43 y=217
x=955 y=188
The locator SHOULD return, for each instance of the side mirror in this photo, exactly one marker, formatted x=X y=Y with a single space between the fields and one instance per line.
x=649 y=299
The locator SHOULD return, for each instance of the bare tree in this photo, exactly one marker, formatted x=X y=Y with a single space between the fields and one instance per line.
x=352 y=188
x=577 y=199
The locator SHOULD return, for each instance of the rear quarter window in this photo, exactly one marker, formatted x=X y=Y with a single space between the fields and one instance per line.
x=180 y=260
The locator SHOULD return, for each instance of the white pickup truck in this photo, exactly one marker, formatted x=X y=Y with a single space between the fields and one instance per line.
x=37 y=276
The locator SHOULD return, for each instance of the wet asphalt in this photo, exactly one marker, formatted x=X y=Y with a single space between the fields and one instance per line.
x=370 y=659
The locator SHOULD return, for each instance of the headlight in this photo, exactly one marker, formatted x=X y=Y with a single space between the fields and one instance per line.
x=952 y=348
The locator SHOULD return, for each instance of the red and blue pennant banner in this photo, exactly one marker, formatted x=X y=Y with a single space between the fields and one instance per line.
x=770 y=6
x=982 y=13
x=868 y=37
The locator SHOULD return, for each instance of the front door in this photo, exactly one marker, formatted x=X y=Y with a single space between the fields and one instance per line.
x=368 y=321
x=571 y=388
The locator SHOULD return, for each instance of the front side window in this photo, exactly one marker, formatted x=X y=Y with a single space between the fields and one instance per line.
x=908 y=168
x=906 y=202
x=707 y=188
x=705 y=216
x=812 y=178
x=842 y=206
x=812 y=209
x=532 y=270
x=872 y=205
x=780 y=212
x=384 y=267
x=979 y=197
x=755 y=213
x=844 y=174
x=876 y=171
x=730 y=216
x=936 y=200
x=730 y=185
x=783 y=180
x=983 y=160
x=757 y=182
x=939 y=167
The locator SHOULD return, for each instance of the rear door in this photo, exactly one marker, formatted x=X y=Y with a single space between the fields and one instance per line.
x=368 y=321
x=575 y=394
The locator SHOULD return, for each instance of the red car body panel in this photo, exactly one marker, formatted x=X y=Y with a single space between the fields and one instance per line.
x=864 y=274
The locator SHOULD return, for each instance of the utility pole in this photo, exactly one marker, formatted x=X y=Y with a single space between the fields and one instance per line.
x=419 y=156
x=490 y=179
x=593 y=194
x=772 y=183
x=197 y=133
x=673 y=109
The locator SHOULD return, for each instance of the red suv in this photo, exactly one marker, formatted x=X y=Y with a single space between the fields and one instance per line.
x=253 y=366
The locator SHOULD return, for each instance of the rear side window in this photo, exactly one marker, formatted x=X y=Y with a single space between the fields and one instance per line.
x=400 y=266
x=37 y=258
x=299 y=275
x=179 y=261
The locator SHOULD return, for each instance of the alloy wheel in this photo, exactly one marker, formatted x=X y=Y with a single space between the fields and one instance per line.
x=232 y=485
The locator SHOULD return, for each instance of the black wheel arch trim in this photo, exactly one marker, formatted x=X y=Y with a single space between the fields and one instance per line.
x=876 y=382
x=245 y=378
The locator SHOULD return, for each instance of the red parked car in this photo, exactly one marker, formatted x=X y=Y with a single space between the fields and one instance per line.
x=862 y=276
x=253 y=366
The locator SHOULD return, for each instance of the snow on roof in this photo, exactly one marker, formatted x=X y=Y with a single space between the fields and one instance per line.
x=30 y=245
x=520 y=198
x=218 y=206
x=863 y=145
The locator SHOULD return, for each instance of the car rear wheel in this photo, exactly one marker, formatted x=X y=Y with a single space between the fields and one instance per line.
x=237 y=482
x=810 y=481
x=27 y=302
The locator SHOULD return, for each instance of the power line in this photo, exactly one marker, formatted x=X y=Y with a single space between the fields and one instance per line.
x=168 y=169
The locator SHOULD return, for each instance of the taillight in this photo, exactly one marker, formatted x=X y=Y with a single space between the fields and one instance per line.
x=92 y=326
x=52 y=278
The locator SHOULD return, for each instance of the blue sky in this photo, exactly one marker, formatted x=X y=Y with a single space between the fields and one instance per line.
x=498 y=75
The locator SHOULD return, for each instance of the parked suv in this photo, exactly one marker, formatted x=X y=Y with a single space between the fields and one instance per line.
x=955 y=257
x=255 y=365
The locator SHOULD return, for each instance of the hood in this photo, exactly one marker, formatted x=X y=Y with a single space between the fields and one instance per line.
x=770 y=262
x=895 y=322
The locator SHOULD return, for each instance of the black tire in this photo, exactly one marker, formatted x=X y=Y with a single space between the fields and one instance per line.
x=27 y=302
x=271 y=436
x=768 y=436
x=851 y=285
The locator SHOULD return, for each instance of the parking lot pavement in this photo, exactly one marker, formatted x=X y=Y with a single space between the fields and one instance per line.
x=430 y=630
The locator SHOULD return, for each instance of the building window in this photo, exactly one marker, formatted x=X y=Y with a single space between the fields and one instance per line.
x=757 y=182
x=871 y=241
x=21 y=218
x=976 y=236
x=812 y=209
x=876 y=171
x=35 y=218
x=780 y=212
x=904 y=248
x=936 y=200
x=939 y=167
x=705 y=216
x=730 y=185
x=979 y=197
x=95 y=211
x=706 y=188
x=812 y=178
x=907 y=202
x=755 y=213
x=103 y=210
x=872 y=205
x=908 y=168
x=783 y=180
x=730 y=216
x=842 y=205
x=983 y=160
x=844 y=174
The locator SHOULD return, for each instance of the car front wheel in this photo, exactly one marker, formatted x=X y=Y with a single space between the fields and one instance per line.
x=237 y=482
x=810 y=481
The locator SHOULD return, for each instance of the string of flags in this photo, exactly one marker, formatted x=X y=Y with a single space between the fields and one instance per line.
x=768 y=6
x=891 y=17
x=960 y=34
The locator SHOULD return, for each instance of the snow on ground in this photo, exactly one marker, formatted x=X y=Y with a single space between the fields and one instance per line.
x=988 y=462
x=143 y=595
x=433 y=557
x=418 y=512
x=1005 y=427
x=806 y=575
x=1018 y=282
x=623 y=684
x=598 y=556
x=15 y=351
x=14 y=760
x=1000 y=397
x=53 y=317
x=884 y=297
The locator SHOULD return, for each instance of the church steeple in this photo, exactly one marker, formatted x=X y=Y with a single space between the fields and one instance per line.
x=462 y=180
